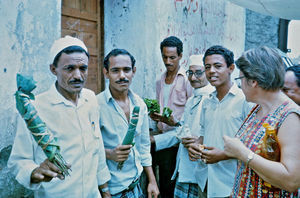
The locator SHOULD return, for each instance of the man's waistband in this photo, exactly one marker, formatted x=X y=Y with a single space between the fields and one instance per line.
x=131 y=186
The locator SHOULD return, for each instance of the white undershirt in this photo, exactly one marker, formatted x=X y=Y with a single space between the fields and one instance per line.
x=166 y=90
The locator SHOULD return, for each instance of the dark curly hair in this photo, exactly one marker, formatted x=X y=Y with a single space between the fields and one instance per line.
x=172 y=41
x=296 y=70
x=218 y=49
x=116 y=52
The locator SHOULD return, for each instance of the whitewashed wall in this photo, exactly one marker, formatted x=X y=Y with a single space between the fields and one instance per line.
x=27 y=31
x=140 y=26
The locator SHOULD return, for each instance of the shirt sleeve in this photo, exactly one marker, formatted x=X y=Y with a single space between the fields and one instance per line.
x=143 y=143
x=189 y=89
x=166 y=140
x=21 y=160
x=202 y=119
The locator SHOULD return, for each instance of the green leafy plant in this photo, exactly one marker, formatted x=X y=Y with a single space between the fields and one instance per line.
x=152 y=105
x=167 y=112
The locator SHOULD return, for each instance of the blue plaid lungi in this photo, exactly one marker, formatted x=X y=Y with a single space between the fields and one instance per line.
x=185 y=190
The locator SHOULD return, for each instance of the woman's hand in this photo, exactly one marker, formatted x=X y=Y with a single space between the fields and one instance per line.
x=233 y=147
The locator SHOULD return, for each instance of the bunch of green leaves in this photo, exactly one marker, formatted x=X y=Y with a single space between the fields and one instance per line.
x=167 y=112
x=152 y=105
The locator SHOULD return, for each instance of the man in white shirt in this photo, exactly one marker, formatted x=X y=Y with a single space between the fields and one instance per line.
x=117 y=102
x=70 y=113
x=222 y=114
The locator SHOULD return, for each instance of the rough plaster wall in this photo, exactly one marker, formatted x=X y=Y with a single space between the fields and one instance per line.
x=28 y=28
x=140 y=26
x=261 y=30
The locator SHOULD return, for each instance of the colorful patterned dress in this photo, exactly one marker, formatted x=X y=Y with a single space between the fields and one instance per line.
x=247 y=182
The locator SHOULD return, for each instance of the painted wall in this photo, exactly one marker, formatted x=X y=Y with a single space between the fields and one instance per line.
x=140 y=26
x=28 y=29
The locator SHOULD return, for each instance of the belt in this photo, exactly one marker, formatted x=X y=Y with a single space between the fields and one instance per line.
x=132 y=185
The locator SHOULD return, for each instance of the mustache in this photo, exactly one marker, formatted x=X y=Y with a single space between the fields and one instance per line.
x=122 y=81
x=76 y=81
x=168 y=65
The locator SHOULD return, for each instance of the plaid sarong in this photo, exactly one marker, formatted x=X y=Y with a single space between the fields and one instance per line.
x=185 y=190
x=136 y=192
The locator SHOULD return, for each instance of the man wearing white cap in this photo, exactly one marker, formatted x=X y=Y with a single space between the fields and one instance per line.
x=186 y=184
x=70 y=113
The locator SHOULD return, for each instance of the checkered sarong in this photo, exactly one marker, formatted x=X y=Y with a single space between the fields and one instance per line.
x=186 y=190
x=134 y=193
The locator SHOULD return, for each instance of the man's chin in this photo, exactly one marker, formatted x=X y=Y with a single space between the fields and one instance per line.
x=77 y=89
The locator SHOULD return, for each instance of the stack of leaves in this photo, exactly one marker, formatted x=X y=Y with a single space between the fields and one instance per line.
x=37 y=127
x=167 y=112
x=152 y=105
x=131 y=131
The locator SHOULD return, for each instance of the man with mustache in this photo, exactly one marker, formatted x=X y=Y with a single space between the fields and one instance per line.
x=172 y=90
x=70 y=113
x=116 y=106
x=222 y=114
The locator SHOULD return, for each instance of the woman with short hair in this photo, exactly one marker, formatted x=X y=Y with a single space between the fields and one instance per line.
x=262 y=78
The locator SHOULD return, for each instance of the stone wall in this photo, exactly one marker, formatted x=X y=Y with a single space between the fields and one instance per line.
x=261 y=30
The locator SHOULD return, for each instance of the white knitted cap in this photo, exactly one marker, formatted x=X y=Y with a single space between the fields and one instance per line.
x=196 y=60
x=63 y=43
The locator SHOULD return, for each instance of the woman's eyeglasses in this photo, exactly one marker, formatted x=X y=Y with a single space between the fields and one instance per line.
x=198 y=73
x=238 y=80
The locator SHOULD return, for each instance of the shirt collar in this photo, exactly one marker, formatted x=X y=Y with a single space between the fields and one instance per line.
x=57 y=98
x=109 y=97
x=181 y=71
x=203 y=90
x=233 y=90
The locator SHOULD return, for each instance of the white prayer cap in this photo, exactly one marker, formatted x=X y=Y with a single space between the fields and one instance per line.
x=196 y=60
x=63 y=43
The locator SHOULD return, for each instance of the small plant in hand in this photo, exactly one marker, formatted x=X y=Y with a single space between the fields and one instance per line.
x=167 y=112
x=152 y=105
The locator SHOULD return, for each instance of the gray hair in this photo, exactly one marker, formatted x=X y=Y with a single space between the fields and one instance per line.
x=264 y=65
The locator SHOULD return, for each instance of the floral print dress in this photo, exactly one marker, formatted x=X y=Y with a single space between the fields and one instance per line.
x=247 y=182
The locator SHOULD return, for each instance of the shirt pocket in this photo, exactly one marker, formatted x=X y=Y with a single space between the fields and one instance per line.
x=179 y=96
x=235 y=115
x=93 y=138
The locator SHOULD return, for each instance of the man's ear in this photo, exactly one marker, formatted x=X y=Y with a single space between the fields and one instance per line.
x=134 y=70
x=180 y=55
x=105 y=72
x=231 y=68
x=53 y=69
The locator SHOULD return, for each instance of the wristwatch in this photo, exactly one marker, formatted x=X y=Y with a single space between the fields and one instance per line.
x=249 y=157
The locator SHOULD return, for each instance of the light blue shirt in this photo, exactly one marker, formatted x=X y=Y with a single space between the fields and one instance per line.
x=219 y=118
x=114 y=125
x=191 y=119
